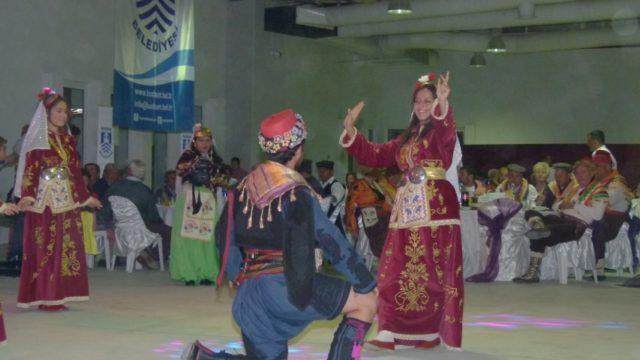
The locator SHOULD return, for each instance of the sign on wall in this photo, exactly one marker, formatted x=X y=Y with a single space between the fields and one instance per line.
x=185 y=141
x=154 y=65
x=106 y=145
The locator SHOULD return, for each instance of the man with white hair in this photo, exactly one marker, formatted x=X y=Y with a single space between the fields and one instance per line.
x=132 y=188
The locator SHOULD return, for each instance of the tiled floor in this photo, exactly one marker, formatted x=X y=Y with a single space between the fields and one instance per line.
x=145 y=315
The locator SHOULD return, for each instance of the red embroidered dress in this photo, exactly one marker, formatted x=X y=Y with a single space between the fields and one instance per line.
x=420 y=276
x=54 y=268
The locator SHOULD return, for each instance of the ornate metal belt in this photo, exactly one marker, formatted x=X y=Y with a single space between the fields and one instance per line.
x=419 y=174
x=56 y=172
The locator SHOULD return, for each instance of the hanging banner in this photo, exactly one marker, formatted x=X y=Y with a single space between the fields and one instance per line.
x=106 y=146
x=154 y=65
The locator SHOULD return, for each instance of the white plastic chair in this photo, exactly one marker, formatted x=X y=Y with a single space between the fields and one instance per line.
x=578 y=255
x=618 y=253
x=103 y=246
x=132 y=236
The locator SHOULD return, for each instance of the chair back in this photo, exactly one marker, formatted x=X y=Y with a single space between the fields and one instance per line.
x=125 y=212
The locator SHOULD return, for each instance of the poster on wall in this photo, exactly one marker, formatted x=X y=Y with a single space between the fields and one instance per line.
x=154 y=65
x=185 y=141
x=106 y=147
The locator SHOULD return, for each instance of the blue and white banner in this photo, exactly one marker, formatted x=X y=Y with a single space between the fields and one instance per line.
x=154 y=65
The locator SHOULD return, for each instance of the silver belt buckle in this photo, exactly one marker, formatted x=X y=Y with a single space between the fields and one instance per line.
x=416 y=175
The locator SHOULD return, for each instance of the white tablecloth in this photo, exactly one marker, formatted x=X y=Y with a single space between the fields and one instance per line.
x=473 y=242
x=514 y=254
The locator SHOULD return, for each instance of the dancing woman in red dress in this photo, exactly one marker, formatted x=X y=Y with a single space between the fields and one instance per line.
x=420 y=276
x=50 y=185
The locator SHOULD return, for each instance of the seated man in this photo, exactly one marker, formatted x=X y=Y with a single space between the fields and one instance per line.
x=575 y=215
x=517 y=188
x=270 y=235
x=469 y=183
x=109 y=176
x=133 y=189
x=369 y=208
x=619 y=200
x=563 y=186
x=166 y=195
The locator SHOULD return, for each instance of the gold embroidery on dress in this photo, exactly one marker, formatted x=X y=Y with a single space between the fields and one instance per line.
x=413 y=294
x=49 y=250
x=70 y=262
x=39 y=236
x=447 y=253
x=450 y=293
x=436 y=253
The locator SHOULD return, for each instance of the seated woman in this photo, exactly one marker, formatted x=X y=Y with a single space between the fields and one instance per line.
x=573 y=218
x=539 y=181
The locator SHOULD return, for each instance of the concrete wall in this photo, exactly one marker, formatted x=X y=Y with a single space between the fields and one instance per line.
x=244 y=74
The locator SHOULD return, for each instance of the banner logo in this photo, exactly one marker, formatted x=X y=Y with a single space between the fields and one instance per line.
x=106 y=142
x=155 y=26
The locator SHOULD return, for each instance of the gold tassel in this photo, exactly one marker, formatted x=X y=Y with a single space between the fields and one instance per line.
x=250 y=222
x=242 y=193
x=269 y=218
x=280 y=203
x=292 y=195
x=261 y=216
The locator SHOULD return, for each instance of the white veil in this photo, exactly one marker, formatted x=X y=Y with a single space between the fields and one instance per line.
x=36 y=138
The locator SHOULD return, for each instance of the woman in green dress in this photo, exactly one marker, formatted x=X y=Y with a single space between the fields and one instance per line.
x=194 y=257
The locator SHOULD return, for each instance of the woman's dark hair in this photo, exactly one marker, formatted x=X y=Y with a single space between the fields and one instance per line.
x=52 y=100
x=284 y=156
x=414 y=125
x=3 y=141
x=85 y=172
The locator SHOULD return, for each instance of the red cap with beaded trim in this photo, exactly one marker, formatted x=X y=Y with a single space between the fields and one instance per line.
x=281 y=131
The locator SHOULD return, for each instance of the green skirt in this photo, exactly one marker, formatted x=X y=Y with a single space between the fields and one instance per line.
x=194 y=256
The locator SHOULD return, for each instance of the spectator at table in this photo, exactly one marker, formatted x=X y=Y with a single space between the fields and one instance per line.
x=133 y=189
x=166 y=195
x=109 y=176
x=517 y=188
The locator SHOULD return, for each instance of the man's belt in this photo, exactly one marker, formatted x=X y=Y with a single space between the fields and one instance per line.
x=261 y=262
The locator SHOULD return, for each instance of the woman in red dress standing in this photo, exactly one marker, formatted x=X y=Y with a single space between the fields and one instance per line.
x=420 y=276
x=51 y=188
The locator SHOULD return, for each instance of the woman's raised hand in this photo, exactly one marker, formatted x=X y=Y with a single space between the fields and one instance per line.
x=442 y=88
x=351 y=118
